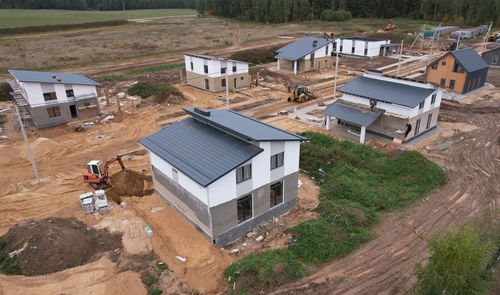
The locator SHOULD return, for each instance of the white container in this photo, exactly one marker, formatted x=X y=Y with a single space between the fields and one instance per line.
x=149 y=231
x=86 y=196
x=100 y=194
x=88 y=205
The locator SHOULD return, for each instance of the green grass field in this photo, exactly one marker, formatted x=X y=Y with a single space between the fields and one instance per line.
x=16 y=18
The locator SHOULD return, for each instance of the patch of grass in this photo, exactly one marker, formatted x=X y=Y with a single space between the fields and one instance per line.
x=151 y=256
x=156 y=291
x=265 y=270
x=3 y=242
x=4 y=91
x=355 y=183
x=148 y=89
x=11 y=267
x=111 y=77
x=154 y=69
x=161 y=266
x=149 y=278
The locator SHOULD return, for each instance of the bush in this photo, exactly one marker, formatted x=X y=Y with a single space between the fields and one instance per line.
x=335 y=15
x=266 y=269
x=148 y=89
x=156 y=291
x=11 y=267
x=4 y=91
x=149 y=278
x=161 y=266
x=456 y=264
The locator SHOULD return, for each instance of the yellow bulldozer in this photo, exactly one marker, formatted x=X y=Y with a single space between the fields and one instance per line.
x=300 y=94
x=390 y=27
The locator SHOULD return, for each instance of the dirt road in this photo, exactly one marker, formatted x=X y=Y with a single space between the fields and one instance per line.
x=385 y=265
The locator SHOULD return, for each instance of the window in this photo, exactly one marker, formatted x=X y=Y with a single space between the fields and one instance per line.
x=222 y=70
x=366 y=51
x=352 y=50
x=276 y=194
x=70 y=93
x=443 y=63
x=429 y=121
x=243 y=173
x=277 y=160
x=223 y=83
x=433 y=98
x=494 y=59
x=192 y=66
x=244 y=208
x=205 y=69
x=478 y=81
x=417 y=127
x=443 y=81
x=49 y=96
x=457 y=68
x=468 y=85
x=234 y=69
x=207 y=85
x=421 y=106
x=54 y=112
x=452 y=84
x=340 y=48
x=435 y=66
x=242 y=78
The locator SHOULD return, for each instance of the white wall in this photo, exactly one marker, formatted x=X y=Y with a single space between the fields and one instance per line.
x=214 y=66
x=34 y=93
x=359 y=47
x=321 y=51
x=187 y=183
x=83 y=90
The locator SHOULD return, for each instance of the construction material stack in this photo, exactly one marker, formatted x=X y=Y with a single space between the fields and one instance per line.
x=87 y=202
x=101 y=203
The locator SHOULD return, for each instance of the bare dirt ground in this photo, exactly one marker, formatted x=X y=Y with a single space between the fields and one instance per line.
x=385 y=265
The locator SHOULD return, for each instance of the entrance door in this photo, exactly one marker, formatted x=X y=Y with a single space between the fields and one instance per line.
x=235 y=82
x=312 y=60
x=74 y=111
x=206 y=84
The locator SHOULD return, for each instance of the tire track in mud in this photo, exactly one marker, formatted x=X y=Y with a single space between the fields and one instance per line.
x=385 y=265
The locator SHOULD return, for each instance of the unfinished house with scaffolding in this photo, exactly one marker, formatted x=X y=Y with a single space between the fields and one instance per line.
x=306 y=54
x=395 y=108
x=365 y=47
x=48 y=99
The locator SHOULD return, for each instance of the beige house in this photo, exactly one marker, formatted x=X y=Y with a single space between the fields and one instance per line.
x=210 y=73
x=306 y=54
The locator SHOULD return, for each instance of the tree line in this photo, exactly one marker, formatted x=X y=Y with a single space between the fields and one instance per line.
x=96 y=4
x=469 y=12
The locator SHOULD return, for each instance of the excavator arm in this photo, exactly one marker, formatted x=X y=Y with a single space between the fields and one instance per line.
x=109 y=162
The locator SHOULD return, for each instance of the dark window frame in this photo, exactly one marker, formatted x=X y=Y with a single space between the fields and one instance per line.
x=277 y=160
x=48 y=96
x=244 y=208
x=443 y=82
x=243 y=173
x=223 y=83
x=434 y=66
x=276 y=199
x=421 y=105
x=353 y=50
x=417 y=126
x=452 y=84
x=433 y=98
x=234 y=69
x=54 y=112
x=70 y=93
x=192 y=66
x=443 y=63
x=429 y=121
x=223 y=70
x=205 y=69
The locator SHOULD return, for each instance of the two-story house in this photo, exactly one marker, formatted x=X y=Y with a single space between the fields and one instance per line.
x=55 y=98
x=306 y=54
x=367 y=47
x=394 y=108
x=224 y=172
x=209 y=72
x=460 y=71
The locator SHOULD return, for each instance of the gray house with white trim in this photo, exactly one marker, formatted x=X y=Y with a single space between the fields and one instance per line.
x=52 y=99
x=224 y=172
x=306 y=54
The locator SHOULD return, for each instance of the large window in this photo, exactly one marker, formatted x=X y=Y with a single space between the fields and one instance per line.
x=205 y=69
x=234 y=69
x=429 y=121
x=435 y=66
x=421 y=105
x=457 y=68
x=223 y=83
x=243 y=173
x=452 y=84
x=54 y=112
x=70 y=93
x=222 y=70
x=49 y=96
x=192 y=66
x=443 y=81
x=417 y=127
x=433 y=99
x=277 y=160
x=244 y=208
x=276 y=194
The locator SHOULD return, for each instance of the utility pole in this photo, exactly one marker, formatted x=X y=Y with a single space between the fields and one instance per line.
x=123 y=5
x=27 y=143
x=400 y=53
x=423 y=39
x=336 y=69
x=486 y=36
x=458 y=41
x=227 y=91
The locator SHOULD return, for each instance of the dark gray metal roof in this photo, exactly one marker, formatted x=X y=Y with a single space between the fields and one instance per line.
x=386 y=91
x=213 y=57
x=301 y=48
x=339 y=109
x=242 y=126
x=469 y=59
x=201 y=152
x=47 y=77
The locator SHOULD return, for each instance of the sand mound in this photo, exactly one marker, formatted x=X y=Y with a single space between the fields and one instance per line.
x=129 y=183
x=54 y=244
x=42 y=146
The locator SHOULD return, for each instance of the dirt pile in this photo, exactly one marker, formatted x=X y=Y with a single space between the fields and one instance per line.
x=42 y=146
x=53 y=244
x=129 y=183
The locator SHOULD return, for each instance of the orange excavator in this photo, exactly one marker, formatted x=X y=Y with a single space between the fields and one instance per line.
x=98 y=177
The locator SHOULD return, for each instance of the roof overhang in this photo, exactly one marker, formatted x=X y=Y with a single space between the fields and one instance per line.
x=341 y=110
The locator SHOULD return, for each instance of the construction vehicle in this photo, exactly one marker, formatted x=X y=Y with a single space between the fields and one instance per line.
x=390 y=27
x=97 y=175
x=327 y=35
x=301 y=94
x=452 y=46
x=494 y=36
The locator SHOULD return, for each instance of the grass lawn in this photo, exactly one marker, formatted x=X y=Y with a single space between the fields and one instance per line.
x=15 y=18
x=356 y=184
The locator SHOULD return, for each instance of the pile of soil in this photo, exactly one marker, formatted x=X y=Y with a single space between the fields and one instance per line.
x=129 y=183
x=42 y=146
x=55 y=244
